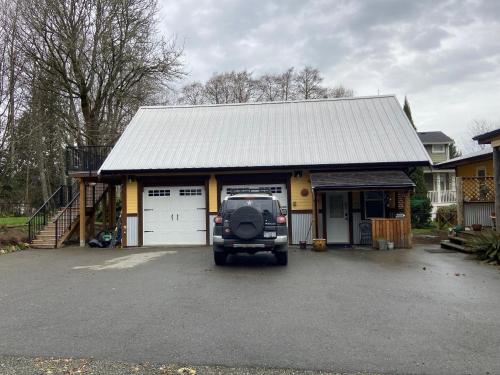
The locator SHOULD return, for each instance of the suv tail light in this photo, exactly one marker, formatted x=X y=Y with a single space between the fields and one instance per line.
x=281 y=219
x=218 y=219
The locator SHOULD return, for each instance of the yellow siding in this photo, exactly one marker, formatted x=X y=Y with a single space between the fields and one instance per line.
x=212 y=194
x=470 y=170
x=300 y=202
x=132 y=197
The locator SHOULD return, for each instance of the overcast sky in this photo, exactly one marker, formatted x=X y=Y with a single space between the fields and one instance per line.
x=444 y=55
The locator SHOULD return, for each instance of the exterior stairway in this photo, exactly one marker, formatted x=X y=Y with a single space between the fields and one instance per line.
x=458 y=242
x=58 y=218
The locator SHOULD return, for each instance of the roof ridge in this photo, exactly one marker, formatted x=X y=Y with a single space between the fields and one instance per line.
x=269 y=102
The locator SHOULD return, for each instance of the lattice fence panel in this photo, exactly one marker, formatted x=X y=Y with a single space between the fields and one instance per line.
x=478 y=189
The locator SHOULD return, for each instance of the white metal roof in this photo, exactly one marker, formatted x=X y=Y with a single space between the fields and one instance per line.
x=274 y=134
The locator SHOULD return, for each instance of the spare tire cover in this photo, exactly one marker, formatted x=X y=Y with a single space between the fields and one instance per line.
x=246 y=222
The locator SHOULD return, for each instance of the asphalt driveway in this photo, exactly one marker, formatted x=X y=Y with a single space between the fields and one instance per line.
x=403 y=311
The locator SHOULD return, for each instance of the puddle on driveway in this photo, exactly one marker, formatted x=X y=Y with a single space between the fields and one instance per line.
x=128 y=261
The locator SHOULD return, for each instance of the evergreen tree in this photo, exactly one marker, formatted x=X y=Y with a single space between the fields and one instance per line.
x=407 y=110
x=454 y=151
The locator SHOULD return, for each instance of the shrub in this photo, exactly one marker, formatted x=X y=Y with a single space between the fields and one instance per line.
x=446 y=216
x=487 y=246
x=421 y=208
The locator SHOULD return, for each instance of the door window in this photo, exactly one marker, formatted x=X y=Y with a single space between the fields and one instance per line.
x=336 y=207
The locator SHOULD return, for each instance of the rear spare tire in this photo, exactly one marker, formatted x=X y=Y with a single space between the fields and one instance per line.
x=246 y=223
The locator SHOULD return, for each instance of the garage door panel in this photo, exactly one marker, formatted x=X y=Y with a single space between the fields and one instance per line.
x=174 y=215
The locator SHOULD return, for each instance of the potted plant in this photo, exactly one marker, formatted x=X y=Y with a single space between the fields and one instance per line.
x=476 y=227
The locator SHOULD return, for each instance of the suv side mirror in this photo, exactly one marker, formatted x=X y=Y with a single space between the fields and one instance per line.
x=284 y=211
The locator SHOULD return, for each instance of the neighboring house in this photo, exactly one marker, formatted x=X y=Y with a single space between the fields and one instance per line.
x=475 y=186
x=339 y=166
x=440 y=182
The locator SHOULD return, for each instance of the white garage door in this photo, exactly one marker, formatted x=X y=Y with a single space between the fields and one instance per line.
x=278 y=190
x=174 y=215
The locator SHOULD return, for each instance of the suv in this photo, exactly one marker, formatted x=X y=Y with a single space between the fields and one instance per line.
x=250 y=222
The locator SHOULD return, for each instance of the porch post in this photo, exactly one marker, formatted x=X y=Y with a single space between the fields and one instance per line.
x=438 y=187
x=105 y=210
x=407 y=211
x=83 y=219
x=496 y=174
x=460 y=200
x=314 y=215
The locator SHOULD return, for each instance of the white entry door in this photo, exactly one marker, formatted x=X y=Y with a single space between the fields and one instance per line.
x=337 y=217
x=174 y=215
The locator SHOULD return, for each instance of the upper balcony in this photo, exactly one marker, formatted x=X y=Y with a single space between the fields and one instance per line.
x=442 y=196
x=85 y=160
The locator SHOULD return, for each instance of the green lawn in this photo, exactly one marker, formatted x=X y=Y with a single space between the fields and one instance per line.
x=13 y=220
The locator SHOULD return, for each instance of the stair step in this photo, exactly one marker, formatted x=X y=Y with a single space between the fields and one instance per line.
x=446 y=244
x=458 y=240
x=42 y=246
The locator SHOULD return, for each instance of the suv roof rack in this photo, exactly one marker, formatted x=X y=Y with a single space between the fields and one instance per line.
x=233 y=191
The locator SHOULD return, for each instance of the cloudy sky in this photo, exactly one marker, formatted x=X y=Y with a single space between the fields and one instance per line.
x=444 y=55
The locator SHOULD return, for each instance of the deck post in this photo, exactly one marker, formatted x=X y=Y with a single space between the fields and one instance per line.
x=460 y=200
x=83 y=219
x=496 y=175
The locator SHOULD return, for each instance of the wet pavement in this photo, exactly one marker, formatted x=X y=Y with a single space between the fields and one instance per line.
x=402 y=311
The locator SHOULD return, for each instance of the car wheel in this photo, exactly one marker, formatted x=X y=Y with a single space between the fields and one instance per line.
x=281 y=257
x=220 y=256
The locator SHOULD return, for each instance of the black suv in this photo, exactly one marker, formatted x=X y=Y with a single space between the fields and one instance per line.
x=250 y=222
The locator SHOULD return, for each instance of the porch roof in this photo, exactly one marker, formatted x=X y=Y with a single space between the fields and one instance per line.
x=362 y=180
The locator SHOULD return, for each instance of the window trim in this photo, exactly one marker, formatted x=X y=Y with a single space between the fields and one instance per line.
x=435 y=151
x=481 y=168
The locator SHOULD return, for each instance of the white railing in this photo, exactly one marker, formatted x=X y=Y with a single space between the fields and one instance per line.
x=442 y=196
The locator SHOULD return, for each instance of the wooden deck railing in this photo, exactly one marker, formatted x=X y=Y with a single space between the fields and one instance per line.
x=393 y=230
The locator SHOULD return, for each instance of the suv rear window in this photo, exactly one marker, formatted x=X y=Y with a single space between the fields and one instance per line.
x=264 y=205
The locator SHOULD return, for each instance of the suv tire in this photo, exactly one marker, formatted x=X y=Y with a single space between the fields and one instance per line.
x=281 y=256
x=220 y=255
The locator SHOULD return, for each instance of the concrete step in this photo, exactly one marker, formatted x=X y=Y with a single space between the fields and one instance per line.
x=447 y=244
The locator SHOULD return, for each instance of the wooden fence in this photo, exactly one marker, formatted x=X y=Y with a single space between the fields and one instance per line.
x=393 y=230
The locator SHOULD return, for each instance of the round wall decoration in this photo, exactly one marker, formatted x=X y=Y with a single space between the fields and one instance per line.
x=304 y=192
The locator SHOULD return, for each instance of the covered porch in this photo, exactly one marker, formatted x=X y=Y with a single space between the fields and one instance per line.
x=358 y=208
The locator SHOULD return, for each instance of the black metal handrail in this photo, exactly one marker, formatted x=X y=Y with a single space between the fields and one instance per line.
x=85 y=158
x=39 y=219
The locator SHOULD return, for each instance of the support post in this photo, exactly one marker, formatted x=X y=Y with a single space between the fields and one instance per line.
x=496 y=174
x=124 y=211
x=438 y=187
x=112 y=206
x=407 y=211
x=83 y=219
x=460 y=200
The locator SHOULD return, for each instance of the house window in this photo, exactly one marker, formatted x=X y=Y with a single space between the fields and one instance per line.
x=374 y=204
x=481 y=172
x=438 y=149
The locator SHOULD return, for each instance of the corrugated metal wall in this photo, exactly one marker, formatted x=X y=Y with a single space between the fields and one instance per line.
x=211 y=227
x=300 y=228
x=478 y=213
x=132 y=231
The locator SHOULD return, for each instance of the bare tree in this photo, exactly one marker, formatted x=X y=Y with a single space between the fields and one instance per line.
x=340 y=92
x=242 y=86
x=477 y=127
x=308 y=84
x=218 y=89
x=267 y=88
x=193 y=93
x=102 y=54
x=285 y=83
